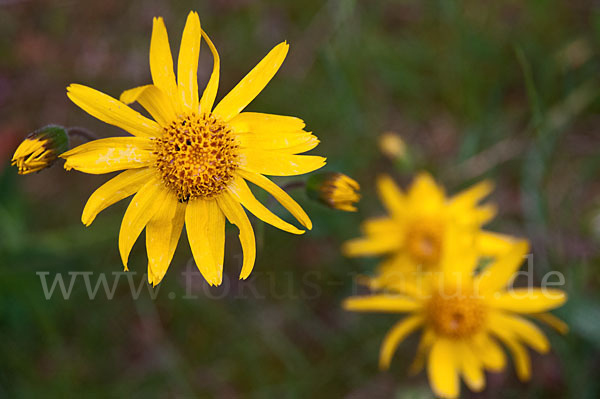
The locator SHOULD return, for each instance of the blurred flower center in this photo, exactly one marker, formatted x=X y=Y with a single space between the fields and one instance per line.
x=456 y=313
x=196 y=156
x=424 y=241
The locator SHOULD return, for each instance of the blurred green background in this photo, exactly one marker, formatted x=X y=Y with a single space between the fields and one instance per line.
x=501 y=89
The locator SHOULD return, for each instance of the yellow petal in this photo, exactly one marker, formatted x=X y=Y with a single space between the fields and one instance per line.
x=521 y=328
x=490 y=353
x=280 y=195
x=443 y=370
x=161 y=61
x=252 y=84
x=484 y=213
x=518 y=352
x=494 y=244
x=140 y=210
x=154 y=100
x=391 y=195
x=557 y=324
x=459 y=256
x=241 y=192
x=279 y=164
x=471 y=196
x=520 y=358
x=205 y=225
x=27 y=148
x=425 y=195
x=307 y=145
x=471 y=368
x=279 y=141
x=142 y=143
x=162 y=235
x=112 y=111
x=381 y=303
x=109 y=155
x=269 y=124
x=236 y=215
x=210 y=92
x=528 y=300
x=395 y=271
x=373 y=245
x=395 y=336
x=381 y=226
x=398 y=274
x=425 y=344
x=503 y=269
x=119 y=187
x=187 y=65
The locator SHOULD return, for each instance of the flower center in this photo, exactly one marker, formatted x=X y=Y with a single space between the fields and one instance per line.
x=196 y=156
x=457 y=313
x=424 y=241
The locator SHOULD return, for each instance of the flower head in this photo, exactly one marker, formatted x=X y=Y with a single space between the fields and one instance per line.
x=464 y=316
x=190 y=163
x=40 y=149
x=414 y=235
x=392 y=145
x=335 y=190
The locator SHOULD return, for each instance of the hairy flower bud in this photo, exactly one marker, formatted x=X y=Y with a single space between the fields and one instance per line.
x=335 y=190
x=40 y=149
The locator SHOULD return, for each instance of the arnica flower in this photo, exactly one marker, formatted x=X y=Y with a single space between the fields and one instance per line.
x=464 y=318
x=40 y=149
x=413 y=237
x=392 y=145
x=336 y=190
x=190 y=164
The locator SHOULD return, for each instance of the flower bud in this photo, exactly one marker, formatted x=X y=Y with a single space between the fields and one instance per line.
x=335 y=190
x=394 y=148
x=392 y=145
x=40 y=149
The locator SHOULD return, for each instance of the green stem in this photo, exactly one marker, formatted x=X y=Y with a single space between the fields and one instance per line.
x=81 y=132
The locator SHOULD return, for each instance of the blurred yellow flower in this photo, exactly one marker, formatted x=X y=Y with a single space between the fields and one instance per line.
x=463 y=317
x=190 y=164
x=336 y=190
x=40 y=149
x=414 y=235
x=392 y=145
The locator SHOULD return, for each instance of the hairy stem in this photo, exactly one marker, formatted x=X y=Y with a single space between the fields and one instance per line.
x=81 y=132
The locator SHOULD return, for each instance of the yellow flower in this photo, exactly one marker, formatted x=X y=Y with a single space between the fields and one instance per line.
x=464 y=317
x=414 y=235
x=40 y=149
x=392 y=145
x=336 y=190
x=190 y=164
